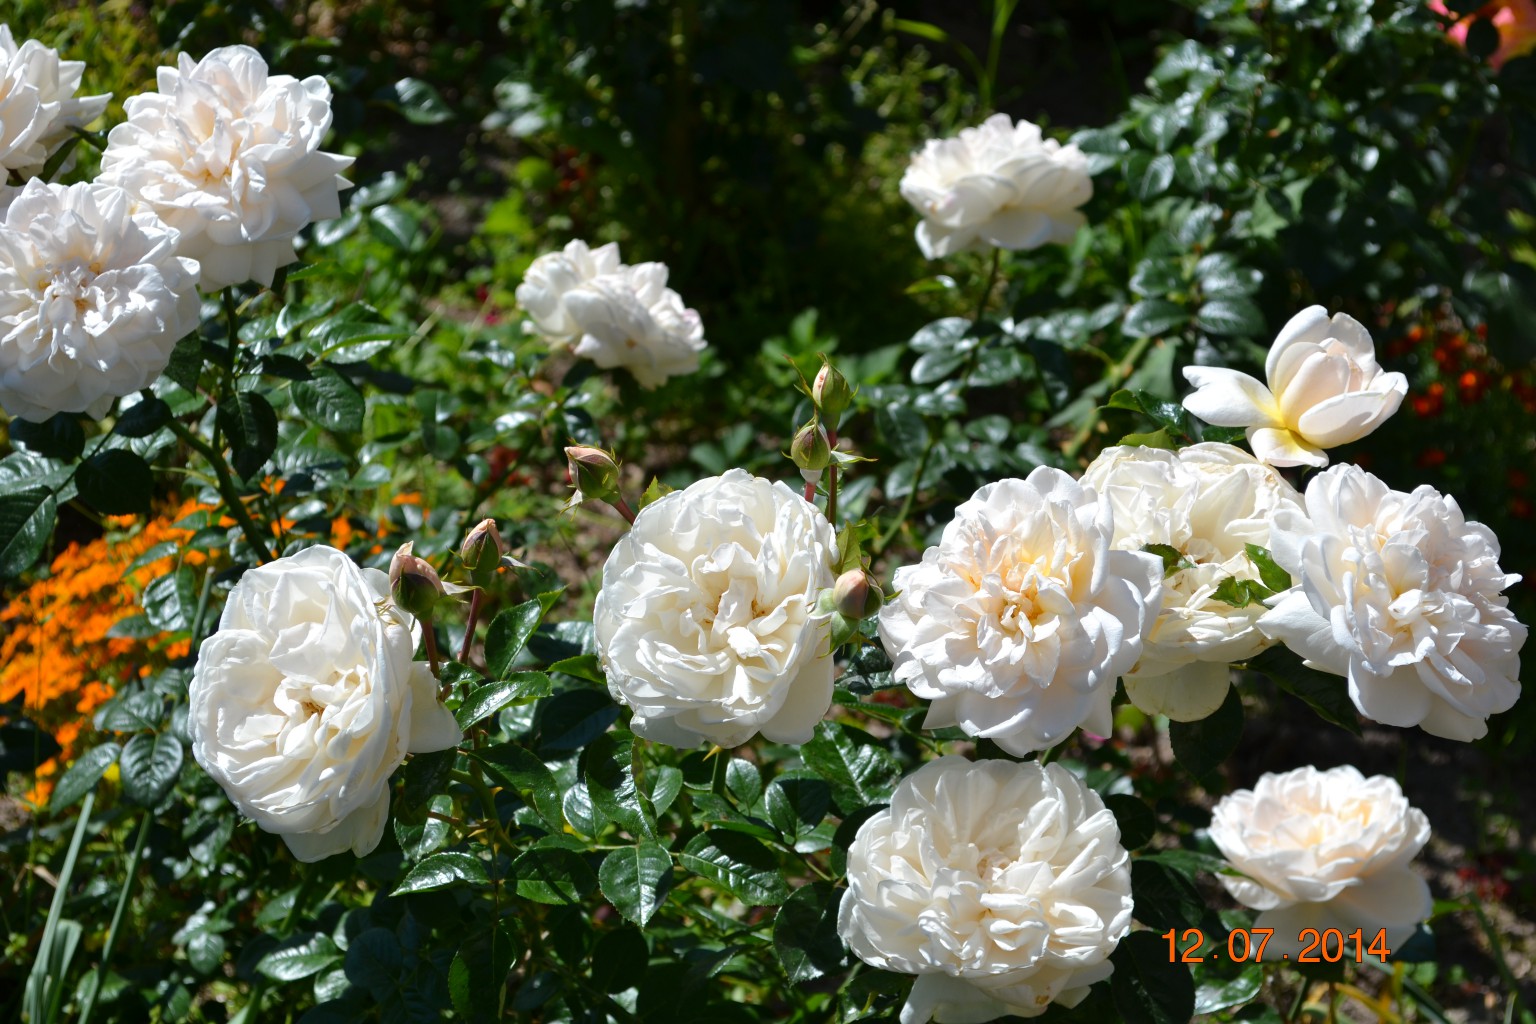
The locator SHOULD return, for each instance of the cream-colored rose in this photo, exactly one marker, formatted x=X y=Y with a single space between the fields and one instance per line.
x=307 y=699
x=1017 y=623
x=1402 y=596
x=1002 y=886
x=998 y=184
x=1325 y=389
x=614 y=314
x=38 y=105
x=1324 y=850
x=707 y=623
x=93 y=298
x=230 y=156
x=1207 y=502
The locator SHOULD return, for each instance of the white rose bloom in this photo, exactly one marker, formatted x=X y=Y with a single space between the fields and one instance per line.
x=706 y=621
x=38 y=105
x=1002 y=886
x=307 y=699
x=613 y=314
x=998 y=184
x=92 y=299
x=231 y=158
x=1325 y=389
x=1018 y=622
x=1324 y=850
x=1207 y=501
x=1399 y=593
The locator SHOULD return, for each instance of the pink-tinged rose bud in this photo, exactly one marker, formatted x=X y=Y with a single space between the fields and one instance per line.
x=811 y=451
x=831 y=395
x=856 y=594
x=482 y=550
x=413 y=583
x=594 y=473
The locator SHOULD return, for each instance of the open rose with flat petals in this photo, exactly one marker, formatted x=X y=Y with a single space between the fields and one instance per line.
x=1017 y=623
x=1400 y=594
x=307 y=699
x=998 y=184
x=38 y=106
x=1324 y=850
x=707 y=623
x=1207 y=502
x=1002 y=886
x=230 y=156
x=1325 y=389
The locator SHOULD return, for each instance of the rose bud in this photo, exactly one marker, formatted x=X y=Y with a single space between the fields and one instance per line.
x=811 y=451
x=482 y=551
x=413 y=583
x=831 y=395
x=856 y=595
x=594 y=473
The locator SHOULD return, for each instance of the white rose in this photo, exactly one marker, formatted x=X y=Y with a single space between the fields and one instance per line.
x=1002 y=886
x=1325 y=389
x=92 y=299
x=611 y=313
x=231 y=158
x=1324 y=850
x=706 y=621
x=998 y=184
x=307 y=699
x=1018 y=622
x=1207 y=501
x=1399 y=593
x=38 y=105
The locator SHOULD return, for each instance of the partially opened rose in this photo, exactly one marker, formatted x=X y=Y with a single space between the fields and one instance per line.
x=308 y=698
x=38 y=105
x=1002 y=886
x=1324 y=850
x=1325 y=389
x=707 y=623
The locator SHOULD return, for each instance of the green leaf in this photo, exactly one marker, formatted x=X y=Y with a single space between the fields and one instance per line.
x=1273 y=577
x=299 y=958
x=509 y=633
x=143 y=418
x=131 y=712
x=116 y=482
x=26 y=523
x=517 y=769
x=607 y=765
x=374 y=962
x=737 y=862
x=149 y=765
x=186 y=363
x=619 y=960
x=487 y=699
x=249 y=423
x=205 y=951
x=1149 y=176
x=442 y=870
x=1152 y=317
x=417 y=839
x=81 y=777
x=859 y=771
x=1165 y=897
x=553 y=874
x=1156 y=276
x=1174 y=560
x=58 y=437
x=171 y=601
x=1203 y=746
x=420 y=102
x=903 y=428
x=805 y=933
x=330 y=400
x=1138 y=824
x=635 y=879
x=1328 y=695
x=1218 y=988
x=1147 y=988
x=425 y=775
x=477 y=977
x=394 y=226
x=1232 y=315
x=743 y=781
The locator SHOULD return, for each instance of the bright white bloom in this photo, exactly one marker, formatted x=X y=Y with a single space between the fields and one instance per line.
x=307 y=699
x=1018 y=622
x=92 y=299
x=1325 y=389
x=231 y=158
x=1401 y=594
x=706 y=622
x=1324 y=850
x=1207 y=501
x=613 y=314
x=998 y=184
x=38 y=105
x=1002 y=886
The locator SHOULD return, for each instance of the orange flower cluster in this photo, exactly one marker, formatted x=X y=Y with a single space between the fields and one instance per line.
x=58 y=655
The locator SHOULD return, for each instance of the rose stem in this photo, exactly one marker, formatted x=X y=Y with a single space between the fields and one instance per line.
x=469 y=626
x=429 y=636
x=623 y=508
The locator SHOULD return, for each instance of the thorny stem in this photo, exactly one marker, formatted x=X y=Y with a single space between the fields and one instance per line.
x=469 y=625
x=227 y=489
x=429 y=635
x=832 y=482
